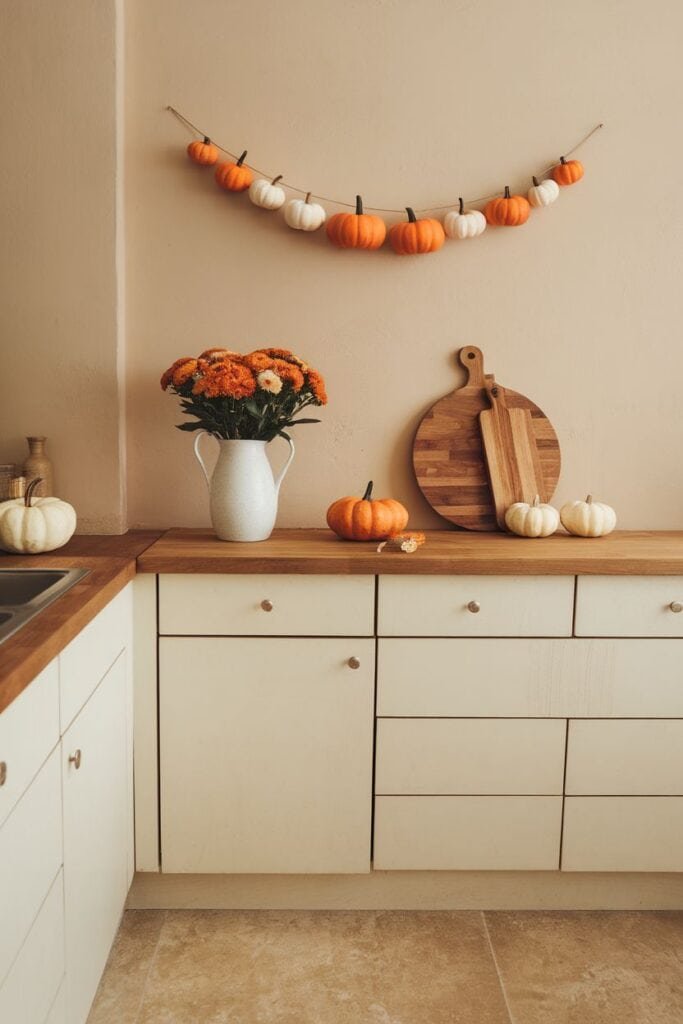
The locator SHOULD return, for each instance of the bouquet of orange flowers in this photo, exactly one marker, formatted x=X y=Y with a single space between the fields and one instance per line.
x=253 y=397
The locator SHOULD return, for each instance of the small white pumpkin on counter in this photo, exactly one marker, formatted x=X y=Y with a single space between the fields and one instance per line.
x=30 y=526
x=267 y=194
x=535 y=520
x=462 y=223
x=588 y=518
x=303 y=215
x=543 y=193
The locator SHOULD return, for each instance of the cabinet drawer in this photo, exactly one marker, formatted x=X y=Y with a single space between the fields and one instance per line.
x=475 y=605
x=224 y=605
x=467 y=833
x=623 y=833
x=625 y=758
x=629 y=606
x=30 y=989
x=464 y=756
x=29 y=730
x=91 y=654
x=530 y=678
x=30 y=855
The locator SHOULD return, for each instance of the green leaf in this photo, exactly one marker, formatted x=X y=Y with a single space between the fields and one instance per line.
x=294 y=423
x=189 y=426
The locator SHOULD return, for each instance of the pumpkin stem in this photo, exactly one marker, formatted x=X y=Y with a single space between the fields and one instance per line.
x=411 y=214
x=507 y=191
x=30 y=489
x=368 y=492
x=536 y=501
x=241 y=159
x=275 y=180
x=562 y=160
x=308 y=197
x=359 y=205
x=589 y=499
x=535 y=180
x=461 y=206
x=207 y=140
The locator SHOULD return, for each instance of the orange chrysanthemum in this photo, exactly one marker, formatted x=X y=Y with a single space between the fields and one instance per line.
x=211 y=355
x=184 y=372
x=284 y=353
x=167 y=375
x=258 y=361
x=317 y=386
x=225 y=379
x=289 y=373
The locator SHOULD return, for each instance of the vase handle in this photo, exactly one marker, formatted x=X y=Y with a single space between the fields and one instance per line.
x=199 y=459
x=281 y=475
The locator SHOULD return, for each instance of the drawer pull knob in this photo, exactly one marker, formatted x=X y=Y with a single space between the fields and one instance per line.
x=75 y=759
x=676 y=606
x=267 y=605
x=353 y=662
x=474 y=607
x=3 y=772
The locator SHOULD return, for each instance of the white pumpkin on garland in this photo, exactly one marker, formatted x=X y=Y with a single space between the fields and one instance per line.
x=462 y=223
x=535 y=520
x=267 y=194
x=543 y=193
x=31 y=526
x=588 y=518
x=303 y=215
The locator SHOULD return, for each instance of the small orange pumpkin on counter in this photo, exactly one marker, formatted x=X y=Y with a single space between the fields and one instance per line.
x=567 y=172
x=234 y=176
x=417 y=236
x=356 y=230
x=204 y=153
x=508 y=211
x=367 y=518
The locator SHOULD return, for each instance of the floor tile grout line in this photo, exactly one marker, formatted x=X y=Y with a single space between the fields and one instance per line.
x=497 y=967
x=152 y=962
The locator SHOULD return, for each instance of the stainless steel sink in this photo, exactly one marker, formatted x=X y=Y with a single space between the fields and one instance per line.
x=26 y=592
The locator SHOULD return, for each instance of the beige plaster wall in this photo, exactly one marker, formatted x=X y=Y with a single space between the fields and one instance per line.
x=61 y=334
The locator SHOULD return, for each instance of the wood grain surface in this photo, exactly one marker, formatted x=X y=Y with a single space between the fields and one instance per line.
x=446 y=552
x=448 y=452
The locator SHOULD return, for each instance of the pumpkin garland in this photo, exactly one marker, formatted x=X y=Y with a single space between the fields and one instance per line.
x=362 y=229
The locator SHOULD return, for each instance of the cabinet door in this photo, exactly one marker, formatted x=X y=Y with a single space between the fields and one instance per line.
x=95 y=836
x=266 y=754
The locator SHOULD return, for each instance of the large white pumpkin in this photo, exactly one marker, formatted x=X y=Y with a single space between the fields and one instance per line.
x=30 y=526
x=462 y=223
x=588 y=518
x=543 y=193
x=267 y=194
x=303 y=215
x=535 y=520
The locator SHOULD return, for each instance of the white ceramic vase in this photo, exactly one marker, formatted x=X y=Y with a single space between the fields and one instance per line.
x=242 y=491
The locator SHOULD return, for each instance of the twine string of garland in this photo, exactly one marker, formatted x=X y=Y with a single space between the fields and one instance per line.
x=376 y=209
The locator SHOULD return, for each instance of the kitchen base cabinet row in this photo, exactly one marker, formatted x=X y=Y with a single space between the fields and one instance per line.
x=522 y=723
x=65 y=810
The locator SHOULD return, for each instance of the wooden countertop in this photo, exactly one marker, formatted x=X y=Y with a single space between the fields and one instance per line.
x=111 y=561
x=445 y=552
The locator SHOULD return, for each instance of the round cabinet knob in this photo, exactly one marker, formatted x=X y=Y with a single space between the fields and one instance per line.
x=3 y=772
x=474 y=607
x=676 y=606
x=267 y=605
x=75 y=759
x=353 y=662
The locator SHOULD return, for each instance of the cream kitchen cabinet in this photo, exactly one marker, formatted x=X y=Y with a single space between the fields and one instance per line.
x=65 y=808
x=266 y=754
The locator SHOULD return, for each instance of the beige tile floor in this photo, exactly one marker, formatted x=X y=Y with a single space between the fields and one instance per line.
x=400 y=967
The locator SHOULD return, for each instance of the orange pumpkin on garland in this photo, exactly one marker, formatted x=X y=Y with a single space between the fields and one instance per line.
x=204 y=153
x=356 y=230
x=508 y=211
x=234 y=177
x=567 y=172
x=367 y=518
x=416 y=236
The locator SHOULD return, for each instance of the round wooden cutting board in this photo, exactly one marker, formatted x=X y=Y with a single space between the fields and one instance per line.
x=448 y=452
